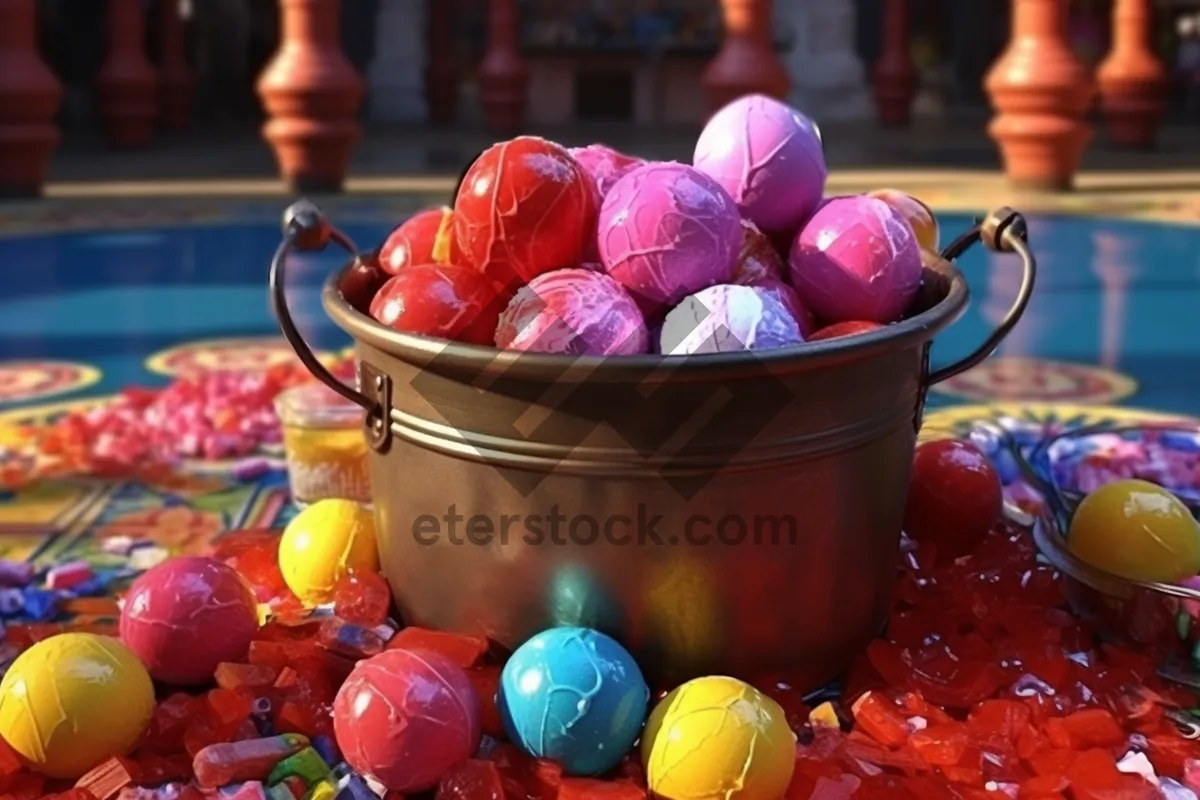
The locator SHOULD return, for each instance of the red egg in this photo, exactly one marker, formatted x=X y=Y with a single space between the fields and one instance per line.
x=447 y=302
x=840 y=329
x=425 y=238
x=954 y=497
x=525 y=207
x=405 y=718
x=186 y=616
x=362 y=281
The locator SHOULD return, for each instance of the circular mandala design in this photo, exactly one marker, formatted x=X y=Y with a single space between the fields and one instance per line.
x=1035 y=380
x=243 y=355
x=22 y=381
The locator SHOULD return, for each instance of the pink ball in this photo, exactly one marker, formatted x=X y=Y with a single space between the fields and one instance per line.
x=405 y=718
x=769 y=157
x=574 y=312
x=668 y=230
x=604 y=165
x=728 y=318
x=185 y=616
x=758 y=260
x=856 y=259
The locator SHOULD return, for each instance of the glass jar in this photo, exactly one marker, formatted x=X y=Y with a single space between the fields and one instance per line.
x=324 y=445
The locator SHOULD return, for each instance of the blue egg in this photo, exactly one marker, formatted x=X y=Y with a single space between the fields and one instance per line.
x=575 y=696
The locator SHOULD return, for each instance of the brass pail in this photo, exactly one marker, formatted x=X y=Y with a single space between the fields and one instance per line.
x=736 y=513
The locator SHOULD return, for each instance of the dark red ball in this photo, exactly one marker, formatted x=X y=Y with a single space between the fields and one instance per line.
x=446 y=302
x=427 y=237
x=840 y=329
x=186 y=616
x=362 y=281
x=954 y=497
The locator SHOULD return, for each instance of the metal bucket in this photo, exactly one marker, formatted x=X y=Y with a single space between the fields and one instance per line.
x=734 y=514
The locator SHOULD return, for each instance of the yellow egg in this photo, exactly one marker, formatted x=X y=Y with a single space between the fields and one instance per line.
x=918 y=215
x=718 y=738
x=322 y=544
x=73 y=701
x=1136 y=530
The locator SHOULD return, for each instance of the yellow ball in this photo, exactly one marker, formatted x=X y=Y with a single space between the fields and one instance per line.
x=322 y=544
x=718 y=738
x=73 y=701
x=1136 y=530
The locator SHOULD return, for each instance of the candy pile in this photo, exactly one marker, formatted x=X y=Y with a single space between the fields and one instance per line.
x=1169 y=457
x=301 y=686
x=593 y=252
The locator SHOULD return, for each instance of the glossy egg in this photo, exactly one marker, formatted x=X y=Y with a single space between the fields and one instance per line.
x=183 y=601
x=324 y=543
x=918 y=215
x=1136 y=530
x=73 y=701
x=573 y=695
x=954 y=497
x=729 y=318
x=405 y=718
x=445 y=302
x=718 y=737
x=427 y=237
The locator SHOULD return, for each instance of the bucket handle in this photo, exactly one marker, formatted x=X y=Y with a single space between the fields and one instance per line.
x=1002 y=231
x=305 y=228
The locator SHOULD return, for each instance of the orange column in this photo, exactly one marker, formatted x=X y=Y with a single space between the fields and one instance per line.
x=312 y=95
x=127 y=85
x=1133 y=81
x=747 y=62
x=503 y=75
x=1041 y=93
x=29 y=98
x=894 y=76
x=176 y=84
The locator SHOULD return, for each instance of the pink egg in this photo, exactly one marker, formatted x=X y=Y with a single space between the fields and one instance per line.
x=574 y=312
x=728 y=318
x=791 y=301
x=856 y=259
x=668 y=230
x=185 y=616
x=405 y=718
x=604 y=165
x=758 y=260
x=769 y=157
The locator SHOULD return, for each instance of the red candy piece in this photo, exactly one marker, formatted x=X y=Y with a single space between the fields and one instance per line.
x=840 y=329
x=954 y=497
x=471 y=780
x=362 y=598
x=524 y=207
x=446 y=302
x=187 y=615
x=460 y=650
x=425 y=238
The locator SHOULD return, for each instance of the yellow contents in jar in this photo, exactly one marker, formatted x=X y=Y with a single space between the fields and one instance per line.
x=324 y=445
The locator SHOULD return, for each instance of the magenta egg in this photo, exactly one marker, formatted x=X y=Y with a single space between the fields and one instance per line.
x=574 y=312
x=405 y=718
x=604 y=165
x=791 y=301
x=187 y=615
x=667 y=230
x=769 y=157
x=856 y=259
x=728 y=318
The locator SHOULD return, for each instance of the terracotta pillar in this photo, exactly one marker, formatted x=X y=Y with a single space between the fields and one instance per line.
x=127 y=86
x=503 y=76
x=894 y=76
x=1041 y=93
x=29 y=98
x=1133 y=81
x=176 y=86
x=312 y=96
x=747 y=62
x=441 y=73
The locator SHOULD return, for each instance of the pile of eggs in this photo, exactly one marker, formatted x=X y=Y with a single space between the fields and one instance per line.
x=588 y=251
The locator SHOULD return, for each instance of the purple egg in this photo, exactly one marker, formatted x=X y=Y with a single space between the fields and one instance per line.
x=573 y=312
x=856 y=259
x=728 y=318
x=768 y=156
x=667 y=230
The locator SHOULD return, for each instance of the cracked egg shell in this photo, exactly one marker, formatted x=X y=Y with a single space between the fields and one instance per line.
x=405 y=718
x=73 y=701
x=667 y=230
x=718 y=737
x=856 y=259
x=183 y=601
x=575 y=696
x=574 y=312
x=727 y=319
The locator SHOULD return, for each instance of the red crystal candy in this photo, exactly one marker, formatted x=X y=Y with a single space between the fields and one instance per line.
x=471 y=780
x=879 y=718
x=591 y=789
x=235 y=676
x=954 y=497
x=486 y=680
x=446 y=302
x=109 y=778
x=524 y=207
x=840 y=329
x=155 y=770
x=461 y=650
x=230 y=706
x=10 y=764
x=362 y=598
x=426 y=237
x=171 y=719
